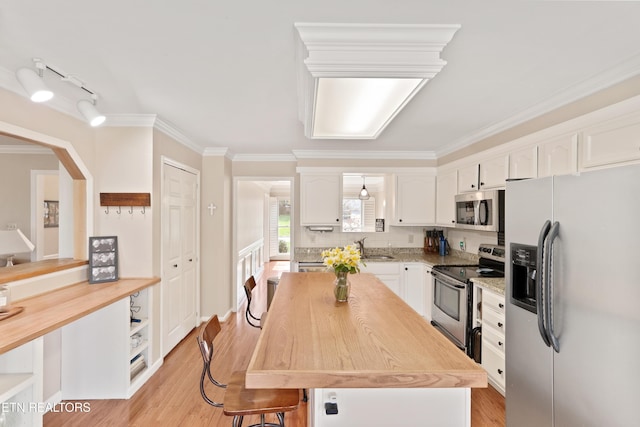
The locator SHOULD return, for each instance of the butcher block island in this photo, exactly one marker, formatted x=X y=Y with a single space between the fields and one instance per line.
x=373 y=359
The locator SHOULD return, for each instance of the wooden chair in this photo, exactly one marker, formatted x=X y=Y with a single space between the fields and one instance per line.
x=238 y=400
x=249 y=285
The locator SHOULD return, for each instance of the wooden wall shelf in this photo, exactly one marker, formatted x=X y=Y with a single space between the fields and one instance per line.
x=125 y=199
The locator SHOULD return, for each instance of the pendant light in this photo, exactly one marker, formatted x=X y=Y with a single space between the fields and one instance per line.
x=364 y=193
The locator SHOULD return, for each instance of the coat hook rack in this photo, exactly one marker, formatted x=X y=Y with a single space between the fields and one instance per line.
x=125 y=199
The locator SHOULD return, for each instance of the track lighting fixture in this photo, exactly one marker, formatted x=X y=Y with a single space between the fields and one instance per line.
x=34 y=85
x=90 y=112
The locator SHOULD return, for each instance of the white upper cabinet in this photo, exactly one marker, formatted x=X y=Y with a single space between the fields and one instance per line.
x=468 y=178
x=524 y=163
x=415 y=199
x=320 y=199
x=494 y=172
x=614 y=141
x=446 y=190
x=488 y=174
x=558 y=156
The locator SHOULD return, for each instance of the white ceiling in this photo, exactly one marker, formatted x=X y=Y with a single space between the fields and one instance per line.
x=224 y=73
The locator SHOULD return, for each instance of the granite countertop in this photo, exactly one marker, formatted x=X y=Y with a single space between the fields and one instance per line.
x=495 y=284
x=398 y=254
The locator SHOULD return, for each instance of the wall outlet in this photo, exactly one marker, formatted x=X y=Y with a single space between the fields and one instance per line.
x=12 y=226
x=463 y=246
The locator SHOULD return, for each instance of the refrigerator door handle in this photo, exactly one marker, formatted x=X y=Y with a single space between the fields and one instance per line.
x=548 y=252
x=540 y=283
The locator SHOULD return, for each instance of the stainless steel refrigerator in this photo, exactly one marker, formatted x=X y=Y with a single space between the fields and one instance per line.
x=573 y=300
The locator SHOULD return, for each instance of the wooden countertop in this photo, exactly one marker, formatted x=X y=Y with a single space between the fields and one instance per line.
x=375 y=340
x=37 y=268
x=51 y=310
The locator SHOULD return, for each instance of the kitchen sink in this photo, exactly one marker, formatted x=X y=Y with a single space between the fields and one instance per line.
x=377 y=257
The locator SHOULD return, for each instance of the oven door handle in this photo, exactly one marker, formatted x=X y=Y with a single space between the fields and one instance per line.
x=447 y=281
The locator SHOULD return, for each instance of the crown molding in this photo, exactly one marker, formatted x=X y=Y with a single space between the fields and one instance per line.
x=264 y=158
x=218 y=151
x=364 y=155
x=625 y=70
x=325 y=50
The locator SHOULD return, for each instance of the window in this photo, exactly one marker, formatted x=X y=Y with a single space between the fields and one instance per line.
x=284 y=226
x=358 y=215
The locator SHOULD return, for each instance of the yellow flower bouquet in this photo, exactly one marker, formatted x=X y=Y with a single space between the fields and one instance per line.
x=343 y=261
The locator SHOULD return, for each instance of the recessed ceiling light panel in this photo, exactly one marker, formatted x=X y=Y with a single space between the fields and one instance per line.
x=359 y=107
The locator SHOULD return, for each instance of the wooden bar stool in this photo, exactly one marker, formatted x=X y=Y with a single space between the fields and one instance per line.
x=249 y=285
x=238 y=400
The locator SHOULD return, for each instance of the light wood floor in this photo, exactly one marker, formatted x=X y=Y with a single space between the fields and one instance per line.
x=172 y=396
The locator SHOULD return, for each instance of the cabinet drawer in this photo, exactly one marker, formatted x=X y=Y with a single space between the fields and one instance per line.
x=493 y=363
x=493 y=301
x=493 y=319
x=491 y=337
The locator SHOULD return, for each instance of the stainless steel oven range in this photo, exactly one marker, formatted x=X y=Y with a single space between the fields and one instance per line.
x=451 y=304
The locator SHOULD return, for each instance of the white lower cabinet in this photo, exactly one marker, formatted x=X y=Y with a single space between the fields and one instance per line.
x=104 y=354
x=414 y=285
x=21 y=376
x=493 y=338
x=388 y=273
x=428 y=293
x=411 y=281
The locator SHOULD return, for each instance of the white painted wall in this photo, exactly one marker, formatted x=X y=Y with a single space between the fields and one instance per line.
x=126 y=166
x=250 y=202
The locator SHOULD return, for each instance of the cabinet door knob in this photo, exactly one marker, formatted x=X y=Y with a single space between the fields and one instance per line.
x=500 y=343
x=175 y=265
x=481 y=184
x=190 y=259
x=337 y=219
x=400 y=220
x=473 y=186
x=453 y=221
x=501 y=305
x=500 y=371
x=500 y=324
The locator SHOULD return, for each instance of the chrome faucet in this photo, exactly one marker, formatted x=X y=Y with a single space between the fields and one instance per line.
x=361 y=246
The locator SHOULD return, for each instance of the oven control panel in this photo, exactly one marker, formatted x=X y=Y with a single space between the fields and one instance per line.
x=495 y=252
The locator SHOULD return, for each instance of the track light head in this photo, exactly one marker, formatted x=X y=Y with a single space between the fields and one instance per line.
x=91 y=113
x=33 y=85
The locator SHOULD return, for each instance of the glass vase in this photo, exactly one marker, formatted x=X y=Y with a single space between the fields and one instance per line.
x=342 y=286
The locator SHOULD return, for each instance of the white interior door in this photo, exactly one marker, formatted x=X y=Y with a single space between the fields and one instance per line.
x=179 y=243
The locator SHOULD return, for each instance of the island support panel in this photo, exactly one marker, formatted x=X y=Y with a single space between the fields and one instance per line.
x=443 y=407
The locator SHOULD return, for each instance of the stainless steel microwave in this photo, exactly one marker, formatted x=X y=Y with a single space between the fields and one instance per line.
x=483 y=210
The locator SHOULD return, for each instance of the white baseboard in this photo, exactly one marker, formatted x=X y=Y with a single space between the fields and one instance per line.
x=144 y=377
x=221 y=318
x=53 y=400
